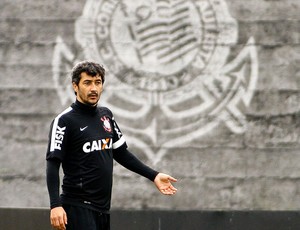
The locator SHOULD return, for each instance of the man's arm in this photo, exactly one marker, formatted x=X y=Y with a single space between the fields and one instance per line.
x=131 y=162
x=52 y=175
x=58 y=217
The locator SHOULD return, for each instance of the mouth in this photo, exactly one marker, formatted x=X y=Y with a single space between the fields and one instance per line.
x=93 y=96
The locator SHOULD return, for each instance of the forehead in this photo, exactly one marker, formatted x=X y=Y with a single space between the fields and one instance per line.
x=85 y=76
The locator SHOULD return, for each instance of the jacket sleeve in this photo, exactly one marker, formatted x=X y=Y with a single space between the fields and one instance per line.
x=52 y=177
x=57 y=143
x=131 y=162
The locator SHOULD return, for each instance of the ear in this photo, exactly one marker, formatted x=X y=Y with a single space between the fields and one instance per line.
x=75 y=87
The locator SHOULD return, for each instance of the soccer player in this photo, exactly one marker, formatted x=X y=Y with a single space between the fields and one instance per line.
x=85 y=139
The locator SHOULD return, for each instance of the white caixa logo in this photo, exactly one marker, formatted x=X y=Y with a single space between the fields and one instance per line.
x=172 y=77
x=97 y=145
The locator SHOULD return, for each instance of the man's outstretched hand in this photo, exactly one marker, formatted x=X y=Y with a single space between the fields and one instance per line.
x=163 y=183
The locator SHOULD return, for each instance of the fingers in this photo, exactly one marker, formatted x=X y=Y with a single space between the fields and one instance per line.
x=172 y=179
x=163 y=176
x=58 y=218
x=58 y=224
x=169 y=191
x=65 y=219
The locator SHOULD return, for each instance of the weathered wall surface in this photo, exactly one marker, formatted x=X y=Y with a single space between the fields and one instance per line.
x=228 y=128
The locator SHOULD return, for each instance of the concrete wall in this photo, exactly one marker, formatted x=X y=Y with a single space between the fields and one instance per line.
x=241 y=151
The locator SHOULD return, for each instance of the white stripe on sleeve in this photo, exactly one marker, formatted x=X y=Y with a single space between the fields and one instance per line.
x=120 y=142
x=54 y=128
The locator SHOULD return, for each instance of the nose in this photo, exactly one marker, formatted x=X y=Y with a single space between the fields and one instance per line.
x=93 y=87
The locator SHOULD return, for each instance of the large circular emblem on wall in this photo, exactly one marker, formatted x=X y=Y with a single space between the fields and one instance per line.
x=171 y=78
x=155 y=45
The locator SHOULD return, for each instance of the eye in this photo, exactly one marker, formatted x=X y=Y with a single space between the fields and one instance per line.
x=98 y=82
x=86 y=82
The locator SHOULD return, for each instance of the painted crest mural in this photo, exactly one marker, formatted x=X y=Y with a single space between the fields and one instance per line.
x=171 y=75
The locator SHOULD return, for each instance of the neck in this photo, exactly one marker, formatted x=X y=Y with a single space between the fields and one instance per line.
x=87 y=104
x=85 y=107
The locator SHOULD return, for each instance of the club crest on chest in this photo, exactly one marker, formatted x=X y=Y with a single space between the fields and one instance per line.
x=106 y=124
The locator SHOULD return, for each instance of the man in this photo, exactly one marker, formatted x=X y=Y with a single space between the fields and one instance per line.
x=85 y=139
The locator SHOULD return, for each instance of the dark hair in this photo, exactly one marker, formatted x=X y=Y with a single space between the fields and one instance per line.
x=89 y=67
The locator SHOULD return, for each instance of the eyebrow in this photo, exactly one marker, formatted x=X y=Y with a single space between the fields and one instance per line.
x=88 y=80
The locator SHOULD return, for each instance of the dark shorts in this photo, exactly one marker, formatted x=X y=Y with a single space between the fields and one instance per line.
x=80 y=218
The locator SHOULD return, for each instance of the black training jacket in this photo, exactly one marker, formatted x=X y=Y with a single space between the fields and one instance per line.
x=85 y=140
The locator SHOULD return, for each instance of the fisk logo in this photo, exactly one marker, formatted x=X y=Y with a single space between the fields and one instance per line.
x=97 y=145
x=58 y=138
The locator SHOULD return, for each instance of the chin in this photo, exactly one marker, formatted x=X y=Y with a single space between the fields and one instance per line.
x=93 y=103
